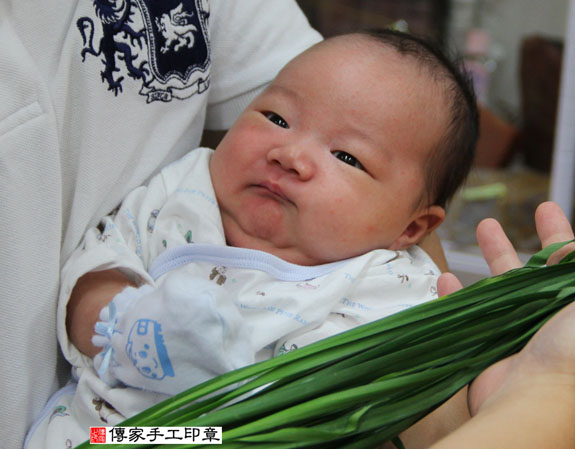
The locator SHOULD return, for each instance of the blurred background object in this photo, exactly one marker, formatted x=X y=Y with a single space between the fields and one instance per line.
x=425 y=17
x=539 y=76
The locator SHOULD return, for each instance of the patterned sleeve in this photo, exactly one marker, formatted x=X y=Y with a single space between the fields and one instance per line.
x=123 y=240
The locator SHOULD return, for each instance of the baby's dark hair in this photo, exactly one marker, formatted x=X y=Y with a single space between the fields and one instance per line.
x=451 y=160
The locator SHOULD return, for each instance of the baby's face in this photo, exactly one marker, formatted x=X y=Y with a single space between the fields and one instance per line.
x=328 y=162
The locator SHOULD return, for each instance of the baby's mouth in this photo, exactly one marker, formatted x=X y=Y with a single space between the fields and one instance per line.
x=274 y=190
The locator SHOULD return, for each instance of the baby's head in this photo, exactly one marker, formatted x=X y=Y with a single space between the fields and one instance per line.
x=356 y=145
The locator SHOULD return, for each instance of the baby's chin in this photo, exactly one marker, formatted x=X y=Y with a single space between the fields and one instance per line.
x=279 y=240
x=291 y=254
x=288 y=253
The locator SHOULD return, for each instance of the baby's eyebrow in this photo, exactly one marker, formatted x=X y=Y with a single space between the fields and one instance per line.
x=276 y=89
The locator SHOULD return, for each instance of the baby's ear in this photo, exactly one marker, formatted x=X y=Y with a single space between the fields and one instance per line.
x=424 y=223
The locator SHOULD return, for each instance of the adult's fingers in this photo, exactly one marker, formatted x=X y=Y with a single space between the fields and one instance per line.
x=552 y=227
x=552 y=224
x=496 y=248
x=447 y=283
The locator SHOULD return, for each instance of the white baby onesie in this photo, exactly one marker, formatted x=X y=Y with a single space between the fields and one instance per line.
x=168 y=236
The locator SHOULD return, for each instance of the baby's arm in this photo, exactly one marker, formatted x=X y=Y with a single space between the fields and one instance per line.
x=91 y=294
x=171 y=336
x=111 y=257
x=190 y=329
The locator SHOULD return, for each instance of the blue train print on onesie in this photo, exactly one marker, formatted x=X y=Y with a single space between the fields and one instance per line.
x=147 y=351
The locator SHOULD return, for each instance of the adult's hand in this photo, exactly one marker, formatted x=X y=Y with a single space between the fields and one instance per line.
x=534 y=404
x=528 y=399
x=552 y=227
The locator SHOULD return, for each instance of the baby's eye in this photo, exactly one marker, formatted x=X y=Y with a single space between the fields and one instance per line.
x=275 y=118
x=348 y=159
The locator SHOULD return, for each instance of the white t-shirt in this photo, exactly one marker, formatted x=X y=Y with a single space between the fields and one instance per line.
x=93 y=101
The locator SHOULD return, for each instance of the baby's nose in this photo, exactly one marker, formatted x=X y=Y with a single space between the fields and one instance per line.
x=295 y=159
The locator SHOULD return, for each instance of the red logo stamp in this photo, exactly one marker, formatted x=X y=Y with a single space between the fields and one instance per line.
x=97 y=435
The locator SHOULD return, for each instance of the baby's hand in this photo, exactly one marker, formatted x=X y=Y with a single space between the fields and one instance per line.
x=170 y=337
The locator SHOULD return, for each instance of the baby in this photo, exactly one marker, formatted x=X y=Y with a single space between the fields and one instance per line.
x=303 y=223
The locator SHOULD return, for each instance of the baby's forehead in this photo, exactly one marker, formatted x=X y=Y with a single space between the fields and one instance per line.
x=409 y=50
x=366 y=65
x=361 y=43
x=358 y=48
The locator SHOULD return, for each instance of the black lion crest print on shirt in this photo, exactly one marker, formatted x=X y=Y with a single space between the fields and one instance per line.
x=160 y=44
